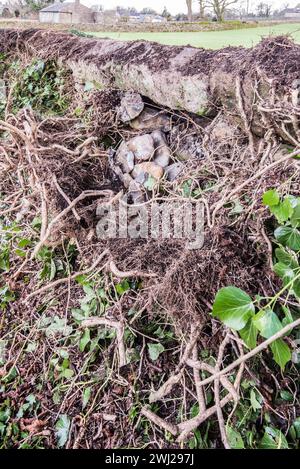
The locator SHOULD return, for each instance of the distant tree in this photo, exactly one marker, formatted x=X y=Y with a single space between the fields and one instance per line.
x=98 y=8
x=181 y=17
x=21 y=7
x=131 y=11
x=264 y=10
x=220 y=7
x=166 y=14
x=148 y=11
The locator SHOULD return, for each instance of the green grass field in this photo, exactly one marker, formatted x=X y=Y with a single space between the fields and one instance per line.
x=212 y=39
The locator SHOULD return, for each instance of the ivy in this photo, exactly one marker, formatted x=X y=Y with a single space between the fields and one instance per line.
x=236 y=309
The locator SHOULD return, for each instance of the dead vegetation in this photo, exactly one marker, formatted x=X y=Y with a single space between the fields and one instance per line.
x=55 y=171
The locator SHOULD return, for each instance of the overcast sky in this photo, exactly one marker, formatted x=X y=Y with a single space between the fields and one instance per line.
x=174 y=6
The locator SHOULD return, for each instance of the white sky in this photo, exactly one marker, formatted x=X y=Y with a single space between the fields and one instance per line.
x=175 y=6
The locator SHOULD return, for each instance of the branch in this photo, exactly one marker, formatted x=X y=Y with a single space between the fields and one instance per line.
x=252 y=353
x=130 y=273
x=117 y=325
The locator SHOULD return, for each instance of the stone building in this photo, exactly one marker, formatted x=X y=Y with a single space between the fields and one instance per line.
x=292 y=13
x=107 y=16
x=68 y=12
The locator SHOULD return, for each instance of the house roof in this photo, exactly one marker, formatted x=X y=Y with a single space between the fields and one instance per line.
x=66 y=7
x=292 y=10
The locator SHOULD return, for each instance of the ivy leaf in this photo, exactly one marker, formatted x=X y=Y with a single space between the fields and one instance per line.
x=296 y=287
x=273 y=439
x=58 y=326
x=52 y=270
x=254 y=402
x=68 y=373
x=150 y=183
x=283 y=211
x=249 y=334
x=281 y=353
x=155 y=350
x=267 y=322
x=288 y=318
x=284 y=271
x=288 y=236
x=234 y=439
x=295 y=218
x=233 y=307
x=271 y=198
x=122 y=287
x=85 y=339
x=286 y=257
x=286 y=396
x=63 y=427
x=86 y=396
x=4 y=260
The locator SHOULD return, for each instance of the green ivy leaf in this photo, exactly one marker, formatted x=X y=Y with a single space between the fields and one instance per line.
x=281 y=353
x=68 y=373
x=233 y=307
x=286 y=257
x=150 y=183
x=296 y=287
x=295 y=218
x=267 y=322
x=85 y=339
x=283 y=211
x=234 y=439
x=254 y=402
x=288 y=236
x=4 y=260
x=155 y=350
x=249 y=334
x=271 y=198
x=286 y=396
x=58 y=326
x=63 y=427
x=122 y=287
x=273 y=439
x=86 y=396
x=288 y=318
x=284 y=271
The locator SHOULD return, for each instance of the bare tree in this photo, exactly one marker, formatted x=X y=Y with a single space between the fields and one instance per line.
x=264 y=10
x=220 y=6
x=190 y=9
x=202 y=5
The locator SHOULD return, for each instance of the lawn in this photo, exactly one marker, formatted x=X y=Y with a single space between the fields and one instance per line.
x=212 y=39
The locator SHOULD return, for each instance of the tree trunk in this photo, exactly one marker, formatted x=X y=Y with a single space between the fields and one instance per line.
x=190 y=10
x=202 y=8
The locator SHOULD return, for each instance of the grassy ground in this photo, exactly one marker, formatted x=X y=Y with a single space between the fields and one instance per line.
x=211 y=40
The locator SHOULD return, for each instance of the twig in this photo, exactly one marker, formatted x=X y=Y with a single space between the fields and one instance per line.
x=166 y=388
x=68 y=279
x=170 y=427
x=117 y=325
x=199 y=388
x=217 y=393
x=64 y=195
x=252 y=353
x=62 y=214
x=259 y=173
x=131 y=273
